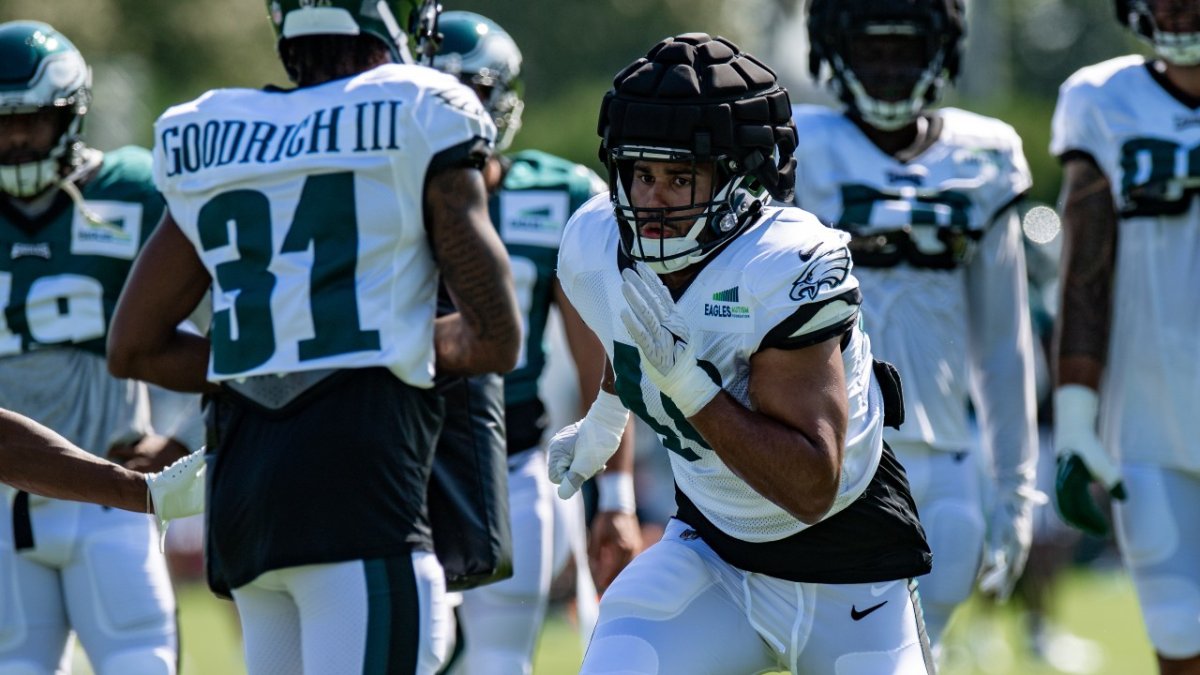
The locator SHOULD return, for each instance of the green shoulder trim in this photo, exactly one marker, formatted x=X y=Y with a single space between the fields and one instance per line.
x=537 y=170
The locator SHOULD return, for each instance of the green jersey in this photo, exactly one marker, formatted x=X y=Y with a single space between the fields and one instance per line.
x=60 y=275
x=61 y=272
x=538 y=195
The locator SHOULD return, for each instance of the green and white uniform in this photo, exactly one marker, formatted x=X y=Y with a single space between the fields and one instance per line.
x=306 y=207
x=937 y=246
x=539 y=193
x=501 y=621
x=1144 y=134
x=60 y=276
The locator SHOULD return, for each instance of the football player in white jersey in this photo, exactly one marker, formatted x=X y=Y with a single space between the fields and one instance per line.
x=531 y=195
x=732 y=328
x=929 y=197
x=1128 y=376
x=72 y=220
x=322 y=217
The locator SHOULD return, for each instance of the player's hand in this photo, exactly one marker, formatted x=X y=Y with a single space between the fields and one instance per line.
x=149 y=453
x=579 y=451
x=1010 y=534
x=662 y=336
x=1081 y=460
x=615 y=538
x=178 y=490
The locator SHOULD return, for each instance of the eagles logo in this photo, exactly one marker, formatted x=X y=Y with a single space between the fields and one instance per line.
x=829 y=268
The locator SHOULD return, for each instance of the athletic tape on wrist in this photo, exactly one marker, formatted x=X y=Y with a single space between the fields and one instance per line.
x=616 y=492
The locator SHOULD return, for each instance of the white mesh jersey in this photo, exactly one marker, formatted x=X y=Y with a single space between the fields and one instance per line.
x=306 y=208
x=1147 y=142
x=954 y=324
x=785 y=281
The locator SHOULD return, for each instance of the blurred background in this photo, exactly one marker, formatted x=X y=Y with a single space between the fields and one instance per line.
x=147 y=57
x=1076 y=612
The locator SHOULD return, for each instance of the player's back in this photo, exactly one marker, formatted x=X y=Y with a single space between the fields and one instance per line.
x=305 y=205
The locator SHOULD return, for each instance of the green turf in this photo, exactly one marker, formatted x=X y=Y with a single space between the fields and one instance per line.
x=982 y=640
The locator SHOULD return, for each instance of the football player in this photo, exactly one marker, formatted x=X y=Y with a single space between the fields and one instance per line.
x=530 y=196
x=72 y=220
x=1127 y=132
x=929 y=198
x=732 y=328
x=322 y=218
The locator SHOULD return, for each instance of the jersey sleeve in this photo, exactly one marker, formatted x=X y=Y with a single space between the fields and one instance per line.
x=1014 y=179
x=1075 y=127
x=1000 y=346
x=455 y=126
x=808 y=296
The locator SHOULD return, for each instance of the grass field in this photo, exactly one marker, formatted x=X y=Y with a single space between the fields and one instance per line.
x=983 y=640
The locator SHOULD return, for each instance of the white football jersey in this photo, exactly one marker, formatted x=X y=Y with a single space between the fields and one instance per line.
x=287 y=195
x=1146 y=140
x=956 y=324
x=784 y=281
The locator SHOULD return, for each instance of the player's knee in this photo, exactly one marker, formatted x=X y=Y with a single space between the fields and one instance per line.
x=955 y=532
x=20 y=667
x=142 y=661
x=1173 y=632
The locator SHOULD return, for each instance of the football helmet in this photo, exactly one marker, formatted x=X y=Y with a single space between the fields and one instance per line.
x=835 y=26
x=697 y=99
x=408 y=27
x=484 y=57
x=41 y=72
x=1180 y=48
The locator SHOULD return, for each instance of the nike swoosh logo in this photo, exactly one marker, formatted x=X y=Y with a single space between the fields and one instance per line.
x=879 y=590
x=857 y=615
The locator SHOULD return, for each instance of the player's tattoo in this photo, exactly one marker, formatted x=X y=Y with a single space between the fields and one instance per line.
x=1089 y=257
x=472 y=262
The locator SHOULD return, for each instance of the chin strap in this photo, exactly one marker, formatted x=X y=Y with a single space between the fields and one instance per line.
x=67 y=185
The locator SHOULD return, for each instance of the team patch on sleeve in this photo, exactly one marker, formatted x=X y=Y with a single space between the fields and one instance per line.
x=819 y=270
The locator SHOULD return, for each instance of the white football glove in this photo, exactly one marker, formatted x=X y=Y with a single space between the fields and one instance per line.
x=1010 y=533
x=579 y=451
x=661 y=336
x=1081 y=459
x=178 y=490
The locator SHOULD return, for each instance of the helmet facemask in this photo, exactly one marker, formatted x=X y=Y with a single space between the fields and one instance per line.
x=27 y=177
x=867 y=86
x=1179 y=46
x=867 y=44
x=712 y=216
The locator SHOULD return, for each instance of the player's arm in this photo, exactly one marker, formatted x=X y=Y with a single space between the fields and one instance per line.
x=1000 y=345
x=37 y=460
x=1081 y=335
x=145 y=341
x=484 y=335
x=788 y=446
x=615 y=533
x=1000 y=348
x=1089 y=221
